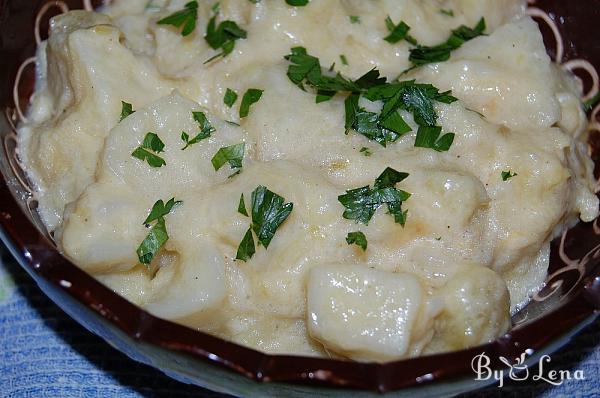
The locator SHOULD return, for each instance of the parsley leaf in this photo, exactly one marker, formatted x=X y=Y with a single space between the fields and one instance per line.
x=153 y=142
x=223 y=36
x=306 y=69
x=160 y=209
x=230 y=97
x=371 y=126
x=242 y=206
x=389 y=125
x=398 y=32
x=268 y=213
x=155 y=239
x=507 y=175
x=186 y=18
x=206 y=129
x=297 y=3
x=389 y=178
x=366 y=151
x=589 y=104
x=246 y=249
x=233 y=154
x=448 y=12
x=344 y=59
x=384 y=127
x=251 y=96
x=357 y=238
x=151 y=145
x=354 y=18
x=158 y=235
x=423 y=55
x=429 y=137
x=126 y=110
x=361 y=203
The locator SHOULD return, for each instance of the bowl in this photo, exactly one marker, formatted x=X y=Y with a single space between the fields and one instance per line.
x=569 y=301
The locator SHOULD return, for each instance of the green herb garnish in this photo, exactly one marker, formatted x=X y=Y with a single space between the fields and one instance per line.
x=344 y=59
x=429 y=137
x=242 y=206
x=383 y=127
x=158 y=235
x=357 y=238
x=151 y=146
x=366 y=151
x=305 y=69
x=269 y=211
x=206 y=129
x=251 y=96
x=361 y=203
x=230 y=97
x=423 y=55
x=589 y=104
x=297 y=3
x=507 y=175
x=223 y=36
x=126 y=110
x=233 y=154
x=246 y=249
x=160 y=209
x=354 y=18
x=186 y=18
x=398 y=32
x=448 y=12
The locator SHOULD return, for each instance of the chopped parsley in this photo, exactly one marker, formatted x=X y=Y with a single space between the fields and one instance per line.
x=297 y=3
x=448 y=12
x=507 y=175
x=386 y=126
x=429 y=137
x=206 y=129
x=151 y=146
x=126 y=110
x=398 y=32
x=223 y=36
x=343 y=59
x=372 y=125
x=366 y=151
x=242 y=206
x=158 y=235
x=589 y=104
x=269 y=211
x=422 y=55
x=247 y=248
x=185 y=18
x=230 y=97
x=357 y=238
x=354 y=18
x=233 y=154
x=160 y=209
x=251 y=96
x=305 y=69
x=361 y=203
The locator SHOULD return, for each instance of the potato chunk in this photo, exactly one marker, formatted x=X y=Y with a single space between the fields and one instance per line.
x=476 y=309
x=363 y=313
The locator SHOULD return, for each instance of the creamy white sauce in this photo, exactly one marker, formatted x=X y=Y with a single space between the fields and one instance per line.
x=474 y=246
